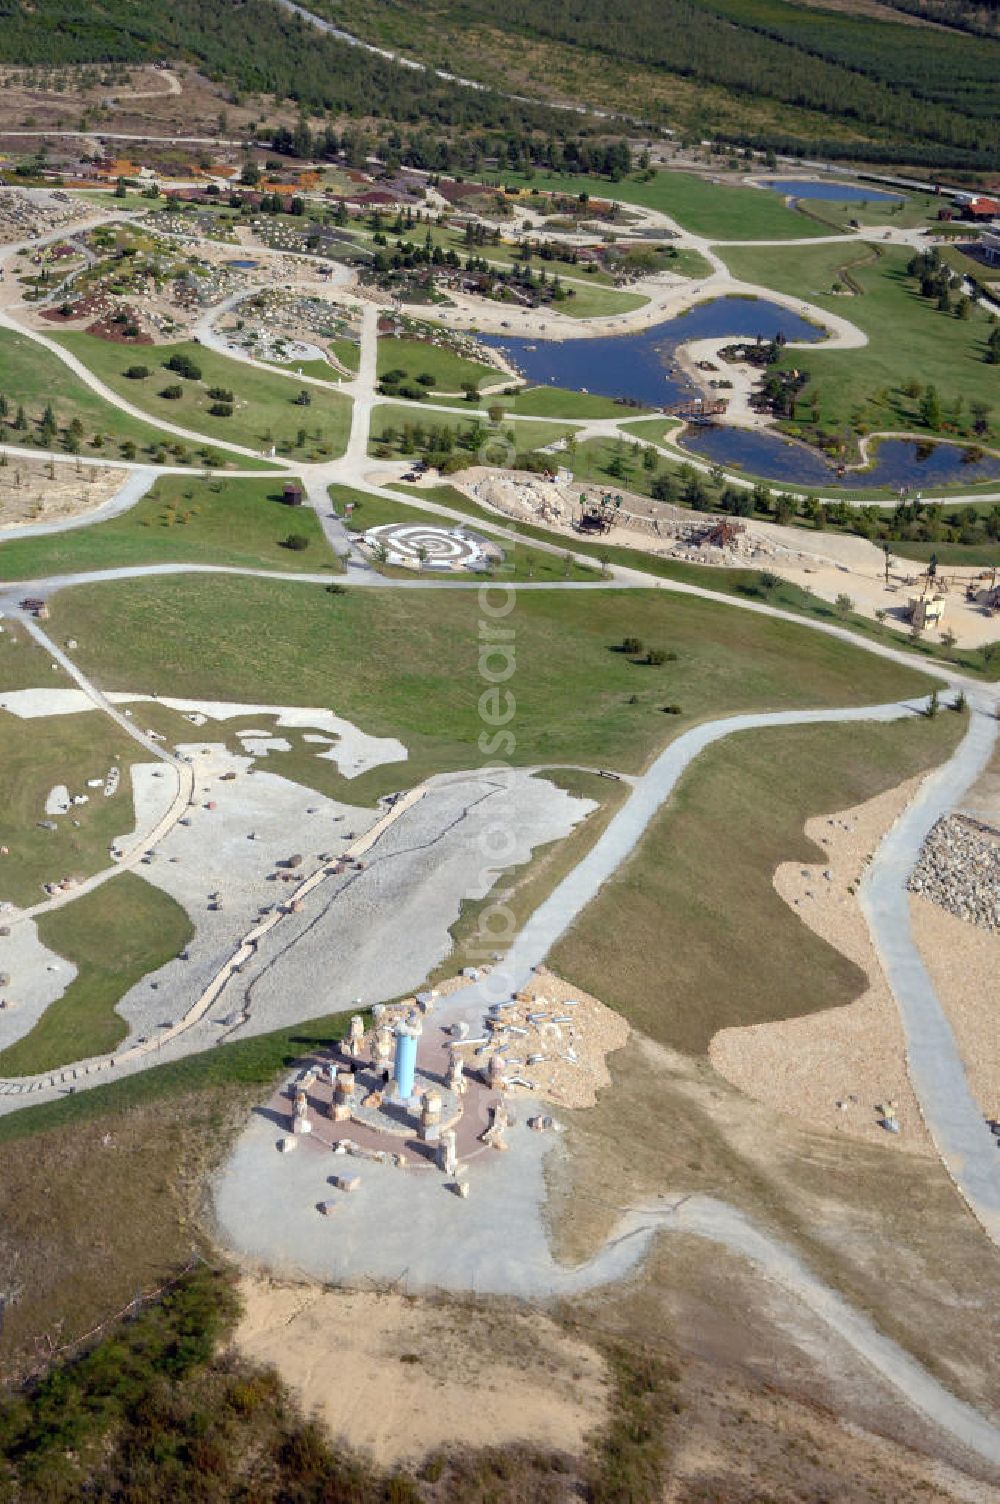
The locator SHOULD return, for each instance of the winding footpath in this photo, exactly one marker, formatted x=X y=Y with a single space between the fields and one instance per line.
x=956 y=1122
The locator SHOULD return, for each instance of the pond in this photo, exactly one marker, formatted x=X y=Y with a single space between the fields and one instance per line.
x=898 y=462
x=243 y=265
x=837 y=193
x=639 y=366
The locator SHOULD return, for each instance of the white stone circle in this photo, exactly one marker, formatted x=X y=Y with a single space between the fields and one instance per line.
x=416 y=542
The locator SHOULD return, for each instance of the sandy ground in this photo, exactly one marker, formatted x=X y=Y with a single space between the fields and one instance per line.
x=29 y=494
x=807 y=1065
x=575 y=1049
x=827 y=563
x=964 y=963
x=831 y=564
x=397 y=1378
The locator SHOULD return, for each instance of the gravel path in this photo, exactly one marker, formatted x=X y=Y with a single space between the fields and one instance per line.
x=956 y=1123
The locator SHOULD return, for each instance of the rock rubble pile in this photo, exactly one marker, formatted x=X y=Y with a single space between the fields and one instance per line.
x=959 y=869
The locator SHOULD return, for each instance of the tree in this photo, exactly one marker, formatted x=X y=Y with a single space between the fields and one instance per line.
x=843 y=605
x=930 y=409
x=980 y=417
x=631 y=646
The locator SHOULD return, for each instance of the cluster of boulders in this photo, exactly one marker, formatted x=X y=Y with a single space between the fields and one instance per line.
x=959 y=868
x=27 y=214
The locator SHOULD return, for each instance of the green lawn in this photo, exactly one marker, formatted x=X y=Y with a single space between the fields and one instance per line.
x=690 y=936
x=653 y=430
x=718 y=211
x=347 y=351
x=182 y=520
x=687 y=263
x=595 y=302
x=909 y=338
x=35 y=756
x=31 y=376
x=114 y=936
x=419 y=357
x=265 y=410
x=407 y=664
x=557 y=402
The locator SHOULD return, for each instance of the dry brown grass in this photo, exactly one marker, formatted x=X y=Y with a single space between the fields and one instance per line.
x=101 y=1209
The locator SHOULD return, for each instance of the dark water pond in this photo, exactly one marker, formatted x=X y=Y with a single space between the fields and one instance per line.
x=837 y=193
x=898 y=462
x=243 y=265
x=637 y=366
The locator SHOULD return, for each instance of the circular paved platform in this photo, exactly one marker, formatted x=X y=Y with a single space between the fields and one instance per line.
x=431 y=546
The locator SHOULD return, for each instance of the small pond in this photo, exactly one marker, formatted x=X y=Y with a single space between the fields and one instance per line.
x=837 y=193
x=638 y=366
x=243 y=265
x=898 y=462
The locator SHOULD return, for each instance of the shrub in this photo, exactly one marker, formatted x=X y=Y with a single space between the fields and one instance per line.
x=221 y=410
x=137 y=373
x=655 y=657
x=631 y=645
x=220 y=394
x=297 y=542
x=173 y=392
x=426 y=379
x=671 y=710
x=184 y=366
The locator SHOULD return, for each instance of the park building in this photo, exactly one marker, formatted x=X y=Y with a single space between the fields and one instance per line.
x=989 y=243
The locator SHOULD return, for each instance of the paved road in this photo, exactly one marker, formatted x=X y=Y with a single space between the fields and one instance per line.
x=965 y=1144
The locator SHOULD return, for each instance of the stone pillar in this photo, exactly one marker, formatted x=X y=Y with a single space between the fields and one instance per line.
x=430 y=1114
x=456 y=1074
x=447 y=1152
x=495 y=1072
x=343 y=1096
x=300 y=1115
x=356 y=1037
x=382 y=1047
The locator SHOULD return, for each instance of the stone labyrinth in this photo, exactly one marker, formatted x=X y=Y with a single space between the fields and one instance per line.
x=422 y=543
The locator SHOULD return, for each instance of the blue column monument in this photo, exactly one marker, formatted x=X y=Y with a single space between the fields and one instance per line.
x=405 y=1066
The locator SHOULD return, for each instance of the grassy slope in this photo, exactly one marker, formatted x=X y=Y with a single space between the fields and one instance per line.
x=690 y=936
x=557 y=402
x=115 y=936
x=265 y=402
x=35 y=755
x=721 y=211
x=742 y=583
x=586 y=302
x=33 y=376
x=237 y=522
x=908 y=336
x=417 y=356
x=408 y=664
x=527 y=435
